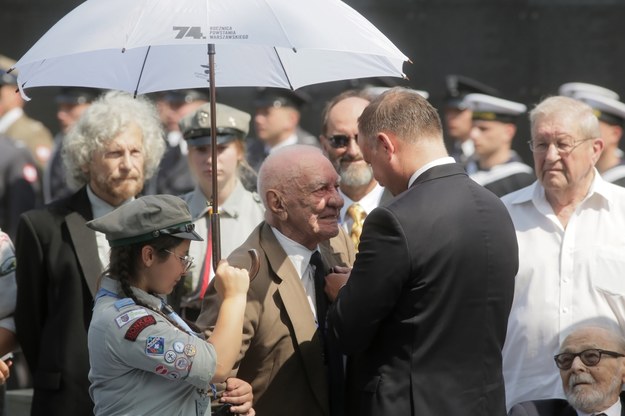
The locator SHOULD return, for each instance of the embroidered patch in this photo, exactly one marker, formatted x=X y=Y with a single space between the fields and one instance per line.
x=123 y=319
x=139 y=325
x=122 y=303
x=8 y=266
x=173 y=375
x=170 y=356
x=155 y=346
x=189 y=350
x=181 y=363
x=179 y=346
x=161 y=369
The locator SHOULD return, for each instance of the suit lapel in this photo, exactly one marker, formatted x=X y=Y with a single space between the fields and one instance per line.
x=84 y=241
x=296 y=304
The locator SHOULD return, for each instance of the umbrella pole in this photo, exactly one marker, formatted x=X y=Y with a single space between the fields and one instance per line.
x=215 y=231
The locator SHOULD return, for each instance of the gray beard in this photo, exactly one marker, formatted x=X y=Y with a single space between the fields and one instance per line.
x=593 y=401
x=355 y=176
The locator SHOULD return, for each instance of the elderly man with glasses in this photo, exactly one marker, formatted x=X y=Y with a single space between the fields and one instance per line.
x=570 y=226
x=592 y=368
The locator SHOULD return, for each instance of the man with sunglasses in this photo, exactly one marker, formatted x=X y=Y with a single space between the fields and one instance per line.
x=591 y=361
x=339 y=139
x=570 y=226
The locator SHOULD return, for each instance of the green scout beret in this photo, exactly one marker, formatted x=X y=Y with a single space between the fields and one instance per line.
x=145 y=219
x=231 y=124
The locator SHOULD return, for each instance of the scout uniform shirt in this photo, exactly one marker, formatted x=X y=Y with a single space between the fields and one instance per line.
x=142 y=364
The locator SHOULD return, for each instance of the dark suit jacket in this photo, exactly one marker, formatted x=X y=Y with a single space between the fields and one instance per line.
x=282 y=351
x=58 y=266
x=425 y=310
x=550 y=407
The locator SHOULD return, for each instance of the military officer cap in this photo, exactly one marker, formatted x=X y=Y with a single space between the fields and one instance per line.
x=232 y=124
x=573 y=89
x=459 y=86
x=489 y=108
x=7 y=78
x=604 y=102
x=146 y=218
x=76 y=95
x=185 y=96
x=281 y=97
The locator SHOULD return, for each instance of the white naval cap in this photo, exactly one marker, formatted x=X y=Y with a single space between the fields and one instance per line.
x=573 y=89
x=606 y=109
x=487 y=107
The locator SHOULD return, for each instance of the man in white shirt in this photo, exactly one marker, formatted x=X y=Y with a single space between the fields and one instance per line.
x=570 y=226
x=339 y=139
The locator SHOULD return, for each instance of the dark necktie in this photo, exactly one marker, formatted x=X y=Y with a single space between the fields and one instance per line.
x=321 y=302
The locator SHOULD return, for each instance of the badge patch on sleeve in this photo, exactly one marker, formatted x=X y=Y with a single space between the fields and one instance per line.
x=139 y=325
x=123 y=319
x=155 y=346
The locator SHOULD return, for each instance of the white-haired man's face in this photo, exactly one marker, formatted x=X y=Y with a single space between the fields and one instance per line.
x=588 y=385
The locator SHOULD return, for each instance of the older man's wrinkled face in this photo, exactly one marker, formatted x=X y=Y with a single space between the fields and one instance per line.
x=346 y=156
x=562 y=170
x=592 y=388
x=116 y=171
x=313 y=203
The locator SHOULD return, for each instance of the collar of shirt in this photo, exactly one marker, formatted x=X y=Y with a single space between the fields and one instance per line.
x=9 y=118
x=436 y=162
x=292 y=139
x=98 y=205
x=599 y=191
x=114 y=286
x=368 y=202
x=297 y=253
x=614 y=410
x=198 y=204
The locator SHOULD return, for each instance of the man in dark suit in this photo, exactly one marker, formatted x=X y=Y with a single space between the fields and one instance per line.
x=425 y=309
x=283 y=354
x=60 y=259
x=592 y=368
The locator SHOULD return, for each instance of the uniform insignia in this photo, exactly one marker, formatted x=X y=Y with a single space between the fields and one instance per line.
x=8 y=266
x=29 y=172
x=181 y=363
x=139 y=325
x=189 y=350
x=173 y=375
x=170 y=356
x=122 y=303
x=161 y=369
x=179 y=346
x=155 y=346
x=123 y=319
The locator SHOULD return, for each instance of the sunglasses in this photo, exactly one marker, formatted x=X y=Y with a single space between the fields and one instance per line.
x=590 y=357
x=339 y=141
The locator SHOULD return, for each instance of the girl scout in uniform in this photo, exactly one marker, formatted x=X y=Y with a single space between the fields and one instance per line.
x=144 y=359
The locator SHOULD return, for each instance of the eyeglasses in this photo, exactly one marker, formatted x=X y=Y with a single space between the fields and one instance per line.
x=187 y=261
x=564 y=148
x=339 y=141
x=590 y=357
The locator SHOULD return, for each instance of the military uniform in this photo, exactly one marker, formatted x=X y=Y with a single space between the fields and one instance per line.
x=506 y=177
x=615 y=175
x=35 y=135
x=138 y=353
x=19 y=184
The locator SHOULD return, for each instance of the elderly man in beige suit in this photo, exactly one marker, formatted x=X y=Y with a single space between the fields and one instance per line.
x=284 y=356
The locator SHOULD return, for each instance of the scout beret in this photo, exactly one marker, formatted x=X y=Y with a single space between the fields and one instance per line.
x=146 y=218
x=486 y=107
x=231 y=124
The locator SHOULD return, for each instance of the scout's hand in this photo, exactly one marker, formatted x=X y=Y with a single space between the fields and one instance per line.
x=231 y=281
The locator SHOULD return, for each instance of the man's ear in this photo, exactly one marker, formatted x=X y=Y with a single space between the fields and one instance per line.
x=386 y=144
x=597 y=148
x=276 y=204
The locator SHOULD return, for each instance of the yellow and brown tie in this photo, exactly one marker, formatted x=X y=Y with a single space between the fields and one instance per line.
x=357 y=214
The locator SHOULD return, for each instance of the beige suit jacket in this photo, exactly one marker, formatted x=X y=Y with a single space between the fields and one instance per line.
x=282 y=354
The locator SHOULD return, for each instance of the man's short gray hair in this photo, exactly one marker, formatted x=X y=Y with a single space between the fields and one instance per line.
x=106 y=118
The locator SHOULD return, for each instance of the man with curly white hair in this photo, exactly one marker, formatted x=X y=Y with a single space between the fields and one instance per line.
x=109 y=153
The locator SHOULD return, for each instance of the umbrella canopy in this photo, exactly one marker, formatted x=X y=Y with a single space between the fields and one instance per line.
x=142 y=46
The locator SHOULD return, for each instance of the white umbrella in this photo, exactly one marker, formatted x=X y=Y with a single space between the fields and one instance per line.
x=143 y=46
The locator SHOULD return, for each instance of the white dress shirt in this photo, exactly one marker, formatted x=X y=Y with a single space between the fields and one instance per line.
x=614 y=410
x=435 y=162
x=566 y=277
